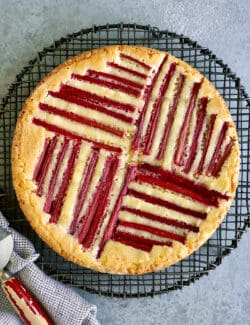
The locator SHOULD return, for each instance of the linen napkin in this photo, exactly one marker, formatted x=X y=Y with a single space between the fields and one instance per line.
x=63 y=305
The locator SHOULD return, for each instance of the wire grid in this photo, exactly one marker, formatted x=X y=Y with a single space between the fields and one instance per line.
x=224 y=239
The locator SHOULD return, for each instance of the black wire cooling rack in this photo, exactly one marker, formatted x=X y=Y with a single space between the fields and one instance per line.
x=224 y=239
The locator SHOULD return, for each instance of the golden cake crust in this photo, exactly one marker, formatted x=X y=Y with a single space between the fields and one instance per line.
x=116 y=258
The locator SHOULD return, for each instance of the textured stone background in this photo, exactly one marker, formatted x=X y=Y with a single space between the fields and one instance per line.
x=26 y=27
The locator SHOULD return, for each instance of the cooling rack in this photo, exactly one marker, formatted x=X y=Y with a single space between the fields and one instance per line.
x=224 y=240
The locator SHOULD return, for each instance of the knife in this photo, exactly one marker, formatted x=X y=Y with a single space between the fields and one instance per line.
x=23 y=302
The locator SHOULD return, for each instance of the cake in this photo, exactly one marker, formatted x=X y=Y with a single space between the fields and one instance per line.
x=125 y=159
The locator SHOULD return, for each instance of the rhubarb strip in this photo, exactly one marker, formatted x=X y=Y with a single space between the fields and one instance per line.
x=170 y=117
x=89 y=172
x=125 y=69
x=45 y=166
x=147 y=95
x=222 y=158
x=153 y=230
x=112 y=77
x=41 y=160
x=102 y=205
x=132 y=59
x=91 y=105
x=108 y=84
x=169 y=185
x=137 y=242
x=67 y=175
x=216 y=153
x=206 y=141
x=123 y=238
x=131 y=172
x=179 y=153
x=184 y=182
x=166 y=204
x=164 y=220
x=94 y=98
x=199 y=123
x=52 y=184
x=151 y=129
x=72 y=135
x=96 y=202
x=80 y=119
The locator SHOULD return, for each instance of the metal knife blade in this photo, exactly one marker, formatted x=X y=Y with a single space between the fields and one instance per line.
x=6 y=248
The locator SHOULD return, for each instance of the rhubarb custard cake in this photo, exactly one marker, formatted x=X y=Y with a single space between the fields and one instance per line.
x=125 y=159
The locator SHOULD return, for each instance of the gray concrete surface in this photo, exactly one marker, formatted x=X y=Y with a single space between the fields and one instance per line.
x=223 y=26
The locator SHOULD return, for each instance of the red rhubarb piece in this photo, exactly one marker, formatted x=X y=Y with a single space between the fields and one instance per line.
x=131 y=172
x=151 y=129
x=58 y=202
x=97 y=197
x=94 y=98
x=166 y=204
x=184 y=182
x=170 y=117
x=100 y=211
x=147 y=94
x=216 y=153
x=107 y=83
x=125 y=69
x=222 y=158
x=80 y=119
x=52 y=184
x=206 y=141
x=91 y=105
x=125 y=239
x=121 y=80
x=199 y=123
x=179 y=153
x=175 y=187
x=132 y=59
x=137 y=242
x=153 y=230
x=89 y=172
x=45 y=166
x=41 y=160
x=72 y=135
x=164 y=220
